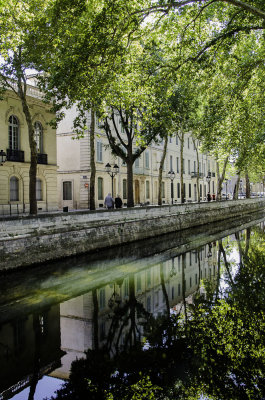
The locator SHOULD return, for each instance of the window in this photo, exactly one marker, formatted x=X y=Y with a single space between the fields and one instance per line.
x=146 y=159
x=200 y=167
x=148 y=304
x=148 y=278
x=194 y=166
x=179 y=287
x=170 y=139
x=99 y=152
x=100 y=188
x=138 y=283
x=122 y=127
x=184 y=189
x=14 y=189
x=177 y=140
x=137 y=163
x=13 y=132
x=188 y=143
x=67 y=190
x=170 y=163
x=124 y=188
x=172 y=293
x=189 y=167
x=38 y=136
x=126 y=287
x=102 y=299
x=189 y=190
x=183 y=166
x=163 y=190
x=213 y=187
x=177 y=160
x=147 y=189
x=38 y=189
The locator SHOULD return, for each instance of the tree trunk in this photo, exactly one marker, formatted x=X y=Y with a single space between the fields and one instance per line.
x=182 y=197
x=197 y=172
x=247 y=186
x=164 y=290
x=220 y=179
x=92 y=162
x=33 y=152
x=95 y=319
x=130 y=200
x=160 y=174
x=235 y=194
x=198 y=177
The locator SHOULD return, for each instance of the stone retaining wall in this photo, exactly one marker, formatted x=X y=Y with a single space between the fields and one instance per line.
x=30 y=240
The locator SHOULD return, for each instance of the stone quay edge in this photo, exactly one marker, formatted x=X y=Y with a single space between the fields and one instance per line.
x=29 y=240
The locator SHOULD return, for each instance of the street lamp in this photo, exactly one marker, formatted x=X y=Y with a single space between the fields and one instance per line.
x=2 y=157
x=209 y=254
x=112 y=171
x=241 y=187
x=208 y=179
x=171 y=175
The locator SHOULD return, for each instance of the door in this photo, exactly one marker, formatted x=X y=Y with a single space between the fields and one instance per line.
x=136 y=192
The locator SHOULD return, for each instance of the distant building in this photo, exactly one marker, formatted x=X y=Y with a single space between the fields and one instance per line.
x=73 y=158
x=14 y=141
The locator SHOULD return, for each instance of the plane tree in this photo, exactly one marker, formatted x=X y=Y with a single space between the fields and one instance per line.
x=17 y=19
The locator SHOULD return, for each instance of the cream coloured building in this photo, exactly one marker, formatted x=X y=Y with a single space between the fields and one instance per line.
x=14 y=173
x=73 y=158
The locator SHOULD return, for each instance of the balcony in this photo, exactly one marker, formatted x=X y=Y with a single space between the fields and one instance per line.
x=15 y=155
x=195 y=175
x=42 y=158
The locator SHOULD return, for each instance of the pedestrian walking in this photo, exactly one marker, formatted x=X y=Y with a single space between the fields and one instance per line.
x=109 y=202
x=209 y=197
x=118 y=202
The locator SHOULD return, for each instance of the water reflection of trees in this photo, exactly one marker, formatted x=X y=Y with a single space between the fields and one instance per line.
x=215 y=347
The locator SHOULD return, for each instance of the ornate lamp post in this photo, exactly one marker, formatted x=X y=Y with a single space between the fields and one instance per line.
x=2 y=157
x=226 y=180
x=171 y=175
x=112 y=171
x=208 y=179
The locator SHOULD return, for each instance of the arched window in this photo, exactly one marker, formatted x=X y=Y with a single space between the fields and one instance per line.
x=100 y=188
x=14 y=189
x=13 y=133
x=38 y=189
x=38 y=134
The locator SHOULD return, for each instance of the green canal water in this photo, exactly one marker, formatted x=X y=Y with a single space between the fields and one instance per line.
x=181 y=316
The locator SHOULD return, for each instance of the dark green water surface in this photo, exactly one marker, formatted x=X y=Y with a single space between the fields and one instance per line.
x=181 y=316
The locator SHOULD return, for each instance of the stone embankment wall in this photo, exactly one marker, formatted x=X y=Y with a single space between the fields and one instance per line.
x=29 y=240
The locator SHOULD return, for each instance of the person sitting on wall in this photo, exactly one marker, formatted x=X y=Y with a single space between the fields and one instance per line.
x=118 y=202
x=209 y=198
x=109 y=202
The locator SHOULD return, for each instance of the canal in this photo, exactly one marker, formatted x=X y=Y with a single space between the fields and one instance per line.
x=181 y=316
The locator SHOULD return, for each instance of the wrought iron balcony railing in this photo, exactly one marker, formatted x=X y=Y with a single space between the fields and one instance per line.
x=42 y=158
x=15 y=155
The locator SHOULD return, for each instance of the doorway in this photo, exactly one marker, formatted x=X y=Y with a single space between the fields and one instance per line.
x=136 y=192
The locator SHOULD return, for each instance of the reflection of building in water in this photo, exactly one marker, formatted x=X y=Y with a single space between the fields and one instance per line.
x=113 y=315
x=29 y=348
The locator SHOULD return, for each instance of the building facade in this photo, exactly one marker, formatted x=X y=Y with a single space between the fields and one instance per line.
x=14 y=141
x=74 y=170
